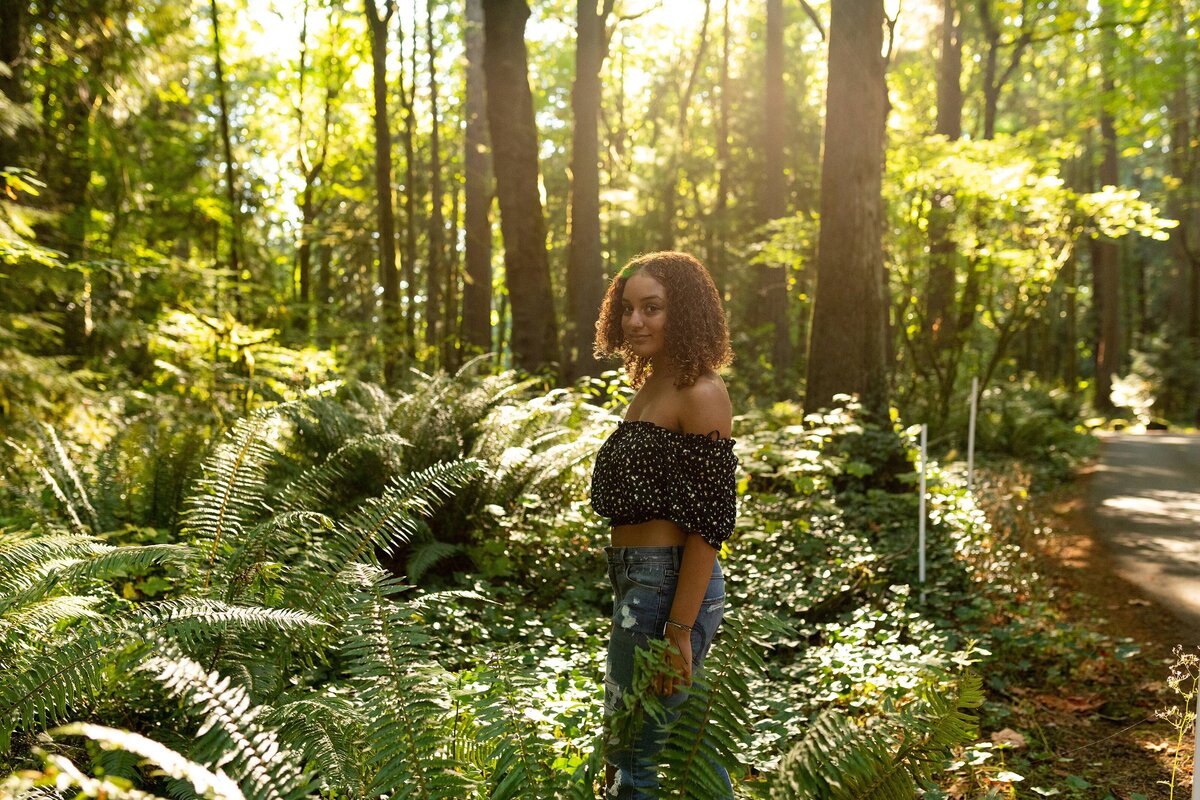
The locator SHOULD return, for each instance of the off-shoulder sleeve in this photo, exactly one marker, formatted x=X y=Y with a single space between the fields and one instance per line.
x=704 y=497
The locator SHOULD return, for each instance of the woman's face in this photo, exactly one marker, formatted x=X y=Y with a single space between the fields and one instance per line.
x=644 y=315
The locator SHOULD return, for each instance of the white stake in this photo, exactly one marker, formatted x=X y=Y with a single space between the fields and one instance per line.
x=921 y=520
x=971 y=434
x=1196 y=751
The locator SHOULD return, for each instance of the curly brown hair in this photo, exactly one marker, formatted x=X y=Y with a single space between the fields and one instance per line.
x=697 y=336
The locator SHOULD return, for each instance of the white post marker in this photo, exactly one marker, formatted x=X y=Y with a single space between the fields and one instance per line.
x=1196 y=745
x=971 y=434
x=921 y=520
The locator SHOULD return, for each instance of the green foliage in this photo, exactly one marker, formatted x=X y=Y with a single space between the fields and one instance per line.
x=291 y=659
x=887 y=761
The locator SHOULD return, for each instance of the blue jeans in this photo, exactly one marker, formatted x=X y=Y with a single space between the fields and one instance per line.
x=644 y=581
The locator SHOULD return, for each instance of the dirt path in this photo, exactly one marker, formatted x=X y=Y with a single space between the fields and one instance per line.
x=1121 y=740
x=1144 y=505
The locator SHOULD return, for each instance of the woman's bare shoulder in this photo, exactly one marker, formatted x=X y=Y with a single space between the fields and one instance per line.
x=705 y=406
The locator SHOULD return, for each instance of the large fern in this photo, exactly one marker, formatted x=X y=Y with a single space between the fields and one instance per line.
x=401 y=690
x=887 y=760
x=231 y=734
x=232 y=494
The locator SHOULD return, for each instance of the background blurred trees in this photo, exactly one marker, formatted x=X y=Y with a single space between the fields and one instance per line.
x=321 y=182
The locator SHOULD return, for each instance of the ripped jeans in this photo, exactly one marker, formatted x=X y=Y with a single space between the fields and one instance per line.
x=644 y=581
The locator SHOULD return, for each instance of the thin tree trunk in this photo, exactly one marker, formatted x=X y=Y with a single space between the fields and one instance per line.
x=231 y=190
x=585 y=263
x=1106 y=264
x=407 y=103
x=452 y=345
x=994 y=80
x=671 y=184
x=477 y=166
x=388 y=276
x=312 y=173
x=434 y=277
x=940 y=331
x=719 y=226
x=12 y=53
x=848 y=348
x=515 y=160
x=771 y=306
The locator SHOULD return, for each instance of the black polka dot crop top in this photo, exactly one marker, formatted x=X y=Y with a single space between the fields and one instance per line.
x=644 y=471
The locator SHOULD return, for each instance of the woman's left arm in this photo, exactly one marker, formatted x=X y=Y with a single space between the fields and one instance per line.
x=705 y=409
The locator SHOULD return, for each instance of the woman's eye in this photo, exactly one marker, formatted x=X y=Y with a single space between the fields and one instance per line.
x=651 y=309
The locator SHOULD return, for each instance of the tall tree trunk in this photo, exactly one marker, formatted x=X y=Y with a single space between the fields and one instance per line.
x=1106 y=265
x=408 y=104
x=585 y=263
x=477 y=166
x=388 y=276
x=452 y=345
x=848 y=348
x=311 y=166
x=434 y=277
x=771 y=297
x=324 y=292
x=515 y=160
x=719 y=226
x=940 y=331
x=12 y=54
x=671 y=183
x=1183 y=204
x=993 y=79
x=231 y=190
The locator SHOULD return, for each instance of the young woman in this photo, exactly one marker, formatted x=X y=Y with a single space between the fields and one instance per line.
x=665 y=480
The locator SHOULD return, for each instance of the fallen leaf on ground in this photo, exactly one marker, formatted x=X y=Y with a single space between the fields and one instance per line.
x=1075 y=704
x=1009 y=737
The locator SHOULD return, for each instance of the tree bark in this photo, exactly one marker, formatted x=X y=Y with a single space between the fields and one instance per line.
x=771 y=306
x=477 y=166
x=848 y=347
x=515 y=160
x=994 y=80
x=949 y=86
x=671 y=183
x=12 y=54
x=719 y=223
x=407 y=103
x=311 y=166
x=388 y=276
x=585 y=262
x=1105 y=266
x=940 y=330
x=435 y=278
x=231 y=189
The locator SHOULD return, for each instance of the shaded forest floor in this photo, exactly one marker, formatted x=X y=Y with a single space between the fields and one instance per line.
x=1099 y=735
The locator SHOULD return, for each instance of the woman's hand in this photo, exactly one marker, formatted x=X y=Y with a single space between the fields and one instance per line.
x=679 y=663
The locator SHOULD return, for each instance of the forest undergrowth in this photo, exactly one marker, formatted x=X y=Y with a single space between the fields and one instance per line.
x=369 y=593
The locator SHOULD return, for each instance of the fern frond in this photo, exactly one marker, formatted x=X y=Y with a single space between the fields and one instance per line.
x=714 y=725
x=518 y=762
x=386 y=522
x=68 y=476
x=314 y=485
x=252 y=752
x=232 y=492
x=61 y=773
x=213 y=784
x=43 y=567
x=277 y=539
x=386 y=657
x=838 y=760
x=40 y=690
x=426 y=554
x=328 y=730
